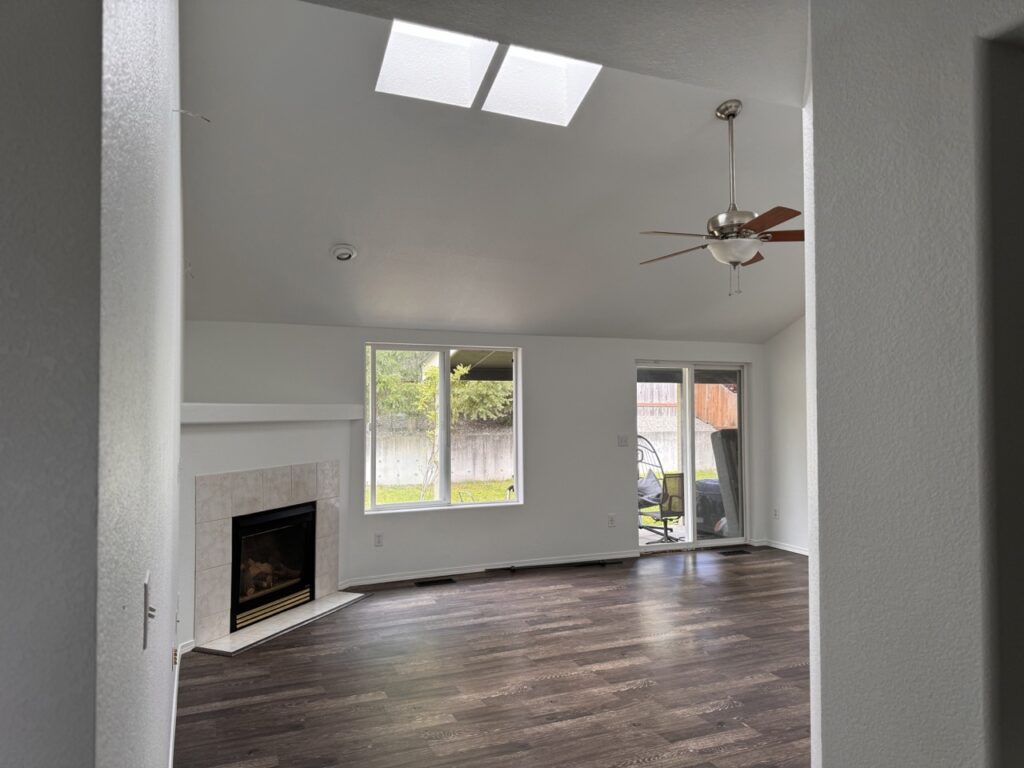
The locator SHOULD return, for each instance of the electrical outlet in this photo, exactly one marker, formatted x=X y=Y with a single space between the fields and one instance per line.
x=623 y=441
x=378 y=539
x=611 y=521
x=775 y=513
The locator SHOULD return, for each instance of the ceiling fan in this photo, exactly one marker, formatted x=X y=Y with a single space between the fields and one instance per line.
x=735 y=237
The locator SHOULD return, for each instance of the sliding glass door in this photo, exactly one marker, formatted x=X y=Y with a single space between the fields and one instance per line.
x=690 y=484
x=662 y=408
x=717 y=453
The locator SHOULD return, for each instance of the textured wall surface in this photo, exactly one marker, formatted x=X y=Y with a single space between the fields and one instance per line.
x=140 y=373
x=901 y=523
x=785 y=379
x=50 y=57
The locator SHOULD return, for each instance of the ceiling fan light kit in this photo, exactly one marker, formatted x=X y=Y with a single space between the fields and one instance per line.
x=734 y=236
x=735 y=251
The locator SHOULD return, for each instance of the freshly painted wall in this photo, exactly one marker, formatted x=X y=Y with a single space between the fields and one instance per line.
x=50 y=60
x=786 y=423
x=140 y=381
x=902 y=547
x=575 y=475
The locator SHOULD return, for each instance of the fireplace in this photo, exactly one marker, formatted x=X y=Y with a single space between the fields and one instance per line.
x=273 y=564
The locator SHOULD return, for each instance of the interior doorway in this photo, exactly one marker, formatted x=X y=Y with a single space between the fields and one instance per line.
x=690 y=455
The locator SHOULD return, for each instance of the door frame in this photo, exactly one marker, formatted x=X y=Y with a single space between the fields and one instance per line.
x=688 y=369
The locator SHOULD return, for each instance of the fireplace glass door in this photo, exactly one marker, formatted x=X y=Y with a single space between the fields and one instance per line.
x=273 y=556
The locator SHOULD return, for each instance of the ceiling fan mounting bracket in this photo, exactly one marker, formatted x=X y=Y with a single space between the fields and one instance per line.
x=728 y=109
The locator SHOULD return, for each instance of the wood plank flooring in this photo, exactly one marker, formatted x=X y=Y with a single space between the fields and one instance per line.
x=689 y=659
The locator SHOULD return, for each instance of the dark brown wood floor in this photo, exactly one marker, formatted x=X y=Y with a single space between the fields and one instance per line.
x=672 y=660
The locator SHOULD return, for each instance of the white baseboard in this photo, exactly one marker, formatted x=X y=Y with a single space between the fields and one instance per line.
x=434 y=573
x=780 y=545
x=182 y=650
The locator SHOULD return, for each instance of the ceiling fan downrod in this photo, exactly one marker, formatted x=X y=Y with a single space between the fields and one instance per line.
x=728 y=110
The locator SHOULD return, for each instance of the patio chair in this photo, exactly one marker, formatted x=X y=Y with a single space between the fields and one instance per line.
x=659 y=493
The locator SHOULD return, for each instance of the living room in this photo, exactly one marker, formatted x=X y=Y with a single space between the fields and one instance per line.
x=224 y=212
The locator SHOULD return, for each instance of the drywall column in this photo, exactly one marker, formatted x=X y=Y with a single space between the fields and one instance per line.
x=50 y=58
x=902 y=544
x=90 y=327
x=140 y=381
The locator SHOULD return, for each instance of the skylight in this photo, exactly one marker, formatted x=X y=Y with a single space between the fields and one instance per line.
x=540 y=86
x=434 y=64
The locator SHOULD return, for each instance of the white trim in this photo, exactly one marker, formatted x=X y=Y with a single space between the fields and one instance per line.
x=794 y=548
x=401 y=509
x=454 y=570
x=183 y=648
x=444 y=436
x=253 y=413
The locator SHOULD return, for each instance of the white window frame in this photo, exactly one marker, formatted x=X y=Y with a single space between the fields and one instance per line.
x=443 y=436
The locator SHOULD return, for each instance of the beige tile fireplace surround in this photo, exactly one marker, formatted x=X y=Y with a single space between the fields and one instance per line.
x=221 y=497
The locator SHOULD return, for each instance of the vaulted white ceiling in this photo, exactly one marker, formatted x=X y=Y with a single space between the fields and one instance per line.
x=464 y=219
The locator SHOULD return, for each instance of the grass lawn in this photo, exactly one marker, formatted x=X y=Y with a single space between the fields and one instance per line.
x=473 y=492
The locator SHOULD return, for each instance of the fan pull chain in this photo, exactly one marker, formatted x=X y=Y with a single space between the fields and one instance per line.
x=735 y=271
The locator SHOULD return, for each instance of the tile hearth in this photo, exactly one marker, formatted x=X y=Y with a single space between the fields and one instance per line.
x=261 y=631
x=221 y=497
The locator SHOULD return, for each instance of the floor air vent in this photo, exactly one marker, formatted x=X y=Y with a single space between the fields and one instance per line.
x=731 y=552
x=433 y=582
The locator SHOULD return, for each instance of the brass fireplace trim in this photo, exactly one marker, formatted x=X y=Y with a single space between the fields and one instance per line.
x=267 y=610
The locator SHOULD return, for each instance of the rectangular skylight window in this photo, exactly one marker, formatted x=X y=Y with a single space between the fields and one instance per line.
x=434 y=64
x=540 y=86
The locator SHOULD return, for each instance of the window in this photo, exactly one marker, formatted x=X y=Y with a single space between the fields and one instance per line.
x=441 y=427
x=434 y=64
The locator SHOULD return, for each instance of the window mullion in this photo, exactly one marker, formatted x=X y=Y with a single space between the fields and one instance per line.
x=444 y=427
x=370 y=409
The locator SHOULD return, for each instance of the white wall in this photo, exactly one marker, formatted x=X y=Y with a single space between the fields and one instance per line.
x=50 y=60
x=901 y=547
x=786 y=424
x=140 y=376
x=574 y=473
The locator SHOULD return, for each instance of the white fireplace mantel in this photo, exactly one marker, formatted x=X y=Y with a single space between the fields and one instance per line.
x=250 y=413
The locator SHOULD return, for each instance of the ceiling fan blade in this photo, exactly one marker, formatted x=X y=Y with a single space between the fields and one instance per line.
x=753 y=259
x=784 y=236
x=676 y=234
x=770 y=219
x=677 y=253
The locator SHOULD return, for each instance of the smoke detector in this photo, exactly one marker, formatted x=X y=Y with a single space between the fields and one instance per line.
x=343 y=251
